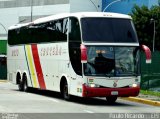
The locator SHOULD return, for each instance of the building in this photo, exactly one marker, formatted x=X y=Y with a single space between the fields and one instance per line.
x=125 y=6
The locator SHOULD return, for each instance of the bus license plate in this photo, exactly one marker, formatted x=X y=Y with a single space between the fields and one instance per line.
x=114 y=93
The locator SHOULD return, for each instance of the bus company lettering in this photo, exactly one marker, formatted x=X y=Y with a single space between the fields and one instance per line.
x=51 y=51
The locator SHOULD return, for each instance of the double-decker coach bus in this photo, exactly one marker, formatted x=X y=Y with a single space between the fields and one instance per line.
x=83 y=54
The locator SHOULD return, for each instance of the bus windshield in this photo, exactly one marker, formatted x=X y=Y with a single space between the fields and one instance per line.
x=112 y=61
x=110 y=30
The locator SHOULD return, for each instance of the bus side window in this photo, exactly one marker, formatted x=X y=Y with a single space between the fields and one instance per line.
x=25 y=36
x=61 y=34
x=74 y=45
x=74 y=33
x=12 y=37
x=53 y=31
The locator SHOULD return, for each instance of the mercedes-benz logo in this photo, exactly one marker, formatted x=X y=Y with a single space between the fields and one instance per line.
x=114 y=84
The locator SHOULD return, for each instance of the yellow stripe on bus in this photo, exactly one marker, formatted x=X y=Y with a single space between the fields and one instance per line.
x=31 y=66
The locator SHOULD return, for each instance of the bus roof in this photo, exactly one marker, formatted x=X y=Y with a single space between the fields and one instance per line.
x=78 y=15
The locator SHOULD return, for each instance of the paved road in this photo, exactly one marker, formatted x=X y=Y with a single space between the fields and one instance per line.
x=14 y=101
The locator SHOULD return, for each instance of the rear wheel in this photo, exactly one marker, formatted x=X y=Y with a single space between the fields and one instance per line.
x=20 y=86
x=111 y=100
x=19 y=82
x=25 y=85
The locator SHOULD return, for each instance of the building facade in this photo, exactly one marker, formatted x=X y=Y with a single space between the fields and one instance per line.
x=125 y=6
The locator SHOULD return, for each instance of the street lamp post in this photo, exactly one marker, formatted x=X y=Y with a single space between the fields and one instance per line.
x=31 y=10
x=94 y=5
x=111 y=4
x=154 y=32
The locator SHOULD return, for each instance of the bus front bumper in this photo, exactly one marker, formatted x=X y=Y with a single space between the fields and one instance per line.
x=106 y=92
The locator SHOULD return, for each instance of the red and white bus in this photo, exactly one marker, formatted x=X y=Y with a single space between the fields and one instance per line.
x=87 y=54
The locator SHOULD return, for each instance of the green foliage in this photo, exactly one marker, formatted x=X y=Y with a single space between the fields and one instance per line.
x=146 y=92
x=145 y=27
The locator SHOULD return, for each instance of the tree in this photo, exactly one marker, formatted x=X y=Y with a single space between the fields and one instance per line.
x=145 y=28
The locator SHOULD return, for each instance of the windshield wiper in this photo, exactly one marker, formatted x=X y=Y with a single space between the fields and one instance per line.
x=109 y=75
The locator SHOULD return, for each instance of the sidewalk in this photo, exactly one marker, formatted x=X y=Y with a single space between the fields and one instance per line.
x=145 y=99
x=3 y=80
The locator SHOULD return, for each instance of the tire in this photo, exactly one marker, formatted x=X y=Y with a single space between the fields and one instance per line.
x=20 y=86
x=25 y=85
x=111 y=100
x=65 y=94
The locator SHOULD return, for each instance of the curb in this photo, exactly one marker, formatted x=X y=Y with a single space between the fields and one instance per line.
x=144 y=101
x=3 y=81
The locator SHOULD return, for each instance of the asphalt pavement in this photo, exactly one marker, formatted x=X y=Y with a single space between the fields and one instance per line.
x=38 y=104
x=141 y=98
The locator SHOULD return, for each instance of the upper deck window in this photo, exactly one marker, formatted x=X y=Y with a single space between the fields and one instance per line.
x=112 y=30
x=51 y=31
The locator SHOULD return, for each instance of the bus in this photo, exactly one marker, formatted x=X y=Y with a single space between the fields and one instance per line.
x=85 y=54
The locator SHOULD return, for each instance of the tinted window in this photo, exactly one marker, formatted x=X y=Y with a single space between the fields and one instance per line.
x=108 y=30
x=74 y=32
x=53 y=31
x=74 y=45
x=14 y=36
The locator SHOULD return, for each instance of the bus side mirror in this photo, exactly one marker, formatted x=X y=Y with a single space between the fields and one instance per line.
x=147 y=53
x=83 y=53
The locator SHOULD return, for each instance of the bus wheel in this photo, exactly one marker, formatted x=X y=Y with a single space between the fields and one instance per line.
x=19 y=82
x=25 y=84
x=66 y=96
x=111 y=100
x=20 y=86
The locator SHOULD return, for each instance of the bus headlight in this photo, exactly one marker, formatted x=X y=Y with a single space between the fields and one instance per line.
x=93 y=85
x=134 y=85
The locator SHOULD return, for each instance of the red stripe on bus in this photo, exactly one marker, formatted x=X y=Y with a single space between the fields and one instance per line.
x=38 y=67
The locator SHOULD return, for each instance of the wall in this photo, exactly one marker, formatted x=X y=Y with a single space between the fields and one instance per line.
x=86 y=5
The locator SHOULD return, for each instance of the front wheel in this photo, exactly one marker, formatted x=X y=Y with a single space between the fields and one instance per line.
x=66 y=96
x=111 y=100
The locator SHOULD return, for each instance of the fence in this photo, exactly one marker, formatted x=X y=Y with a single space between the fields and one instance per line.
x=151 y=72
